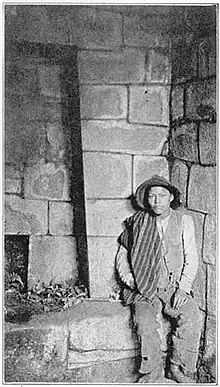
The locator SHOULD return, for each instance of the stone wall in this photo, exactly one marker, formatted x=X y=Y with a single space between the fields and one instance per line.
x=124 y=74
x=194 y=159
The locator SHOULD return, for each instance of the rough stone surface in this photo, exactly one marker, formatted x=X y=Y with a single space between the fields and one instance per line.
x=21 y=76
x=24 y=143
x=36 y=351
x=42 y=24
x=25 y=216
x=201 y=93
x=104 y=102
x=91 y=28
x=146 y=31
x=102 y=251
x=210 y=240
x=101 y=326
x=211 y=290
x=145 y=167
x=105 y=217
x=125 y=66
x=120 y=136
x=212 y=55
x=61 y=217
x=207 y=56
x=52 y=258
x=49 y=82
x=179 y=176
x=177 y=107
x=202 y=189
x=149 y=105
x=58 y=143
x=210 y=356
x=207 y=143
x=184 y=57
x=107 y=175
x=21 y=110
x=46 y=181
x=184 y=140
x=13 y=186
x=158 y=66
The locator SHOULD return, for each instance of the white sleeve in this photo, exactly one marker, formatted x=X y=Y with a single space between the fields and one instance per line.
x=122 y=265
x=190 y=254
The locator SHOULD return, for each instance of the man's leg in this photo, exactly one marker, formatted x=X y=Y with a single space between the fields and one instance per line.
x=186 y=338
x=146 y=316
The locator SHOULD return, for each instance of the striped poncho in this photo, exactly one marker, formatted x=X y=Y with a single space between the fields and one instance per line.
x=142 y=241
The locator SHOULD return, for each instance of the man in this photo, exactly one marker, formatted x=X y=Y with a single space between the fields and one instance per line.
x=157 y=263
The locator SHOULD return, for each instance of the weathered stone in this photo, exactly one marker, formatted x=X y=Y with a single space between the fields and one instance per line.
x=177 y=108
x=107 y=175
x=212 y=55
x=145 y=167
x=149 y=105
x=25 y=216
x=103 y=102
x=146 y=31
x=100 y=326
x=120 y=136
x=203 y=58
x=24 y=143
x=211 y=290
x=20 y=110
x=46 y=181
x=37 y=350
x=13 y=171
x=52 y=258
x=101 y=252
x=12 y=186
x=179 y=176
x=61 y=218
x=49 y=82
x=125 y=66
x=158 y=66
x=184 y=141
x=199 y=94
x=184 y=57
x=92 y=28
x=21 y=77
x=105 y=217
x=210 y=240
x=207 y=143
x=59 y=142
x=210 y=355
x=202 y=189
x=47 y=24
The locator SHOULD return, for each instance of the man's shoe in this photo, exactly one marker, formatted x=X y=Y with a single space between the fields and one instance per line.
x=150 y=377
x=176 y=374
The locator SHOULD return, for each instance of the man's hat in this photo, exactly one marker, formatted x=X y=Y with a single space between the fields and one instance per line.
x=141 y=195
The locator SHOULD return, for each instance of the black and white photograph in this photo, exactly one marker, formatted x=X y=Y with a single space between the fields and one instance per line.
x=110 y=193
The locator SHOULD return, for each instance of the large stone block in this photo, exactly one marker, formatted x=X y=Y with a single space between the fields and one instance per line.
x=46 y=181
x=46 y=24
x=212 y=290
x=12 y=186
x=125 y=66
x=120 y=136
x=210 y=240
x=93 y=28
x=184 y=142
x=210 y=355
x=199 y=94
x=207 y=143
x=158 y=66
x=24 y=143
x=103 y=102
x=13 y=178
x=37 y=351
x=21 y=110
x=21 y=76
x=61 y=217
x=202 y=189
x=149 y=105
x=207 y=50
x=25 y=216
x=146 y=31
x=101 y=326
x=52 y=258
x=49 y=81
x=145 y=167
x=58 y=143
x=177 y=98
x=101 y=252
x=179 y=178
x=107 y=175
x=105 y=217
x=184 y=56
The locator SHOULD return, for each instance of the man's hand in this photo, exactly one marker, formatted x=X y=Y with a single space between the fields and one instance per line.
x=180 y=298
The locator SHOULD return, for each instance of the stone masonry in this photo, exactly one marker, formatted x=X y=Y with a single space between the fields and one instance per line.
x=194 y=159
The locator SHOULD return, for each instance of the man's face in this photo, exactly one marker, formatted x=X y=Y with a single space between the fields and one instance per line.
x=159 y=199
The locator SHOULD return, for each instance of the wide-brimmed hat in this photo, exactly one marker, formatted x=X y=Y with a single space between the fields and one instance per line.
x=141 y=194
